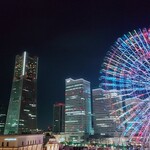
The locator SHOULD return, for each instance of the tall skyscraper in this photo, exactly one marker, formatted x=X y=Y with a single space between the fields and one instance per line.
x=104 y=115
x=3 y=113
x=77 y=106
x=22 y=110
x=58 y=117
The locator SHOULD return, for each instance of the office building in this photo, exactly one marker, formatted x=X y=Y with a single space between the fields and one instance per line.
x=58 y=117
x=22 y=109
x=104 y=112
x=77 y=106
x=3 y=113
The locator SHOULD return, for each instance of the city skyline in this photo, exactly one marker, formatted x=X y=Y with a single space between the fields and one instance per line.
x=71 y=40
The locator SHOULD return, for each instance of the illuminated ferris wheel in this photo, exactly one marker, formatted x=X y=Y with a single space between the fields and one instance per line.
x=126 y=69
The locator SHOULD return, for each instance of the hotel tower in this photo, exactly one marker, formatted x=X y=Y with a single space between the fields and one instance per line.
x=78 y=106
x=22 y=109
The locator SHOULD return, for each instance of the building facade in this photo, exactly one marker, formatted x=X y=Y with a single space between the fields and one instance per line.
x=104 y=113
x=21 y=142
x=22 y=110
x=77 y=106
x=3 y=114
x=58 y=117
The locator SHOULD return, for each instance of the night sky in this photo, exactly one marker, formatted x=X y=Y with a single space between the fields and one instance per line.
x=70 y=37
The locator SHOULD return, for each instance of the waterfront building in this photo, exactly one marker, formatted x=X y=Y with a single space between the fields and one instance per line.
x=22 y=110
x=105 y=116
x=21 y=142
x=58 y=117
x=77 y=107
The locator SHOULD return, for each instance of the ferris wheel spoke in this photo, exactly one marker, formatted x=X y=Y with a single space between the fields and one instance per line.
x=138 y=126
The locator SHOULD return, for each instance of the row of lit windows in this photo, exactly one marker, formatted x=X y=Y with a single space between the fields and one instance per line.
x=75 y=88
x=32 y=115
x=2 y=125
x=74 y=113
x=75 y=85
x=2 y=115
x=32 y=105
x=6 y=144
x=71 y=121
x=103 y=125
x=106 y=118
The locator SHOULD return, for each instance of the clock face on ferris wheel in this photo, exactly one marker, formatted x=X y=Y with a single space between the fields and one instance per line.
x=126 y=70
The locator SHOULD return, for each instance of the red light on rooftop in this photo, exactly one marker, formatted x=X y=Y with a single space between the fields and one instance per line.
x=59 y=104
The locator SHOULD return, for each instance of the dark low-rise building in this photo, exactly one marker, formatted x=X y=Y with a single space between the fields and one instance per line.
x=3 y=114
